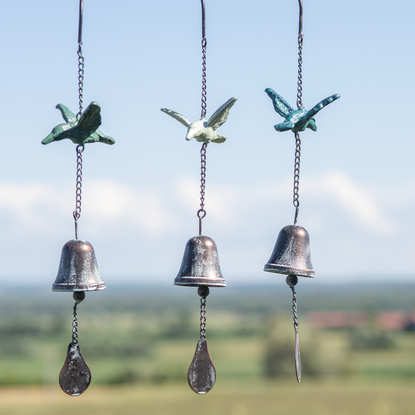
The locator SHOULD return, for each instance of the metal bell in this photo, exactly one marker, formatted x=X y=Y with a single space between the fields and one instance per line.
x=200 y=264
x=291 y=254
x=78 y=269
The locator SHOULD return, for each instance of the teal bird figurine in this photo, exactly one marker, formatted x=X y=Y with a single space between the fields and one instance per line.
x=297 y=120
x=82 y=131
x=202 y=130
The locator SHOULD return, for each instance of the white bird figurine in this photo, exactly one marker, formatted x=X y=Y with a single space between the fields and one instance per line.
x=205 y=131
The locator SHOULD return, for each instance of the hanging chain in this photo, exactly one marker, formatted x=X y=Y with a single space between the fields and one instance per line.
x=75 y=325
x=295 y=316
x=204 y=44
x=296 y=196
x=80 y=60
x=203 y=318
x=203 y=292
x=201 y=213
x=77 y=211
x=78 y=296
x=300 y=59
x=80 y=80
x=204 y=93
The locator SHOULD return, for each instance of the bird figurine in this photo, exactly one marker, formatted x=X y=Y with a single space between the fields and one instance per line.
x=205 y=131
x=82 y=131
x=297 y=120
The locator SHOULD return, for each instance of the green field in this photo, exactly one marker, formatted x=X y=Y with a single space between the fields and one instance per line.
x=244 y=397
x=139 y=346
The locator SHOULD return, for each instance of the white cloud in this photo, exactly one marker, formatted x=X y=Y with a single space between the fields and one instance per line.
x=359 y=202
x=31 y=207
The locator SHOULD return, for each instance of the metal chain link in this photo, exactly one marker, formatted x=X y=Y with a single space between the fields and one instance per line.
x=77 y=211
x=300 y=72
x=203 y=318
x=296 y=196
x=75 y=325
x=80 y=80
x=80 y=61
x=296 y=188
x=201 y=213
x=204 y=44
x=295 y=316
x=300 y=58
x=204 y=91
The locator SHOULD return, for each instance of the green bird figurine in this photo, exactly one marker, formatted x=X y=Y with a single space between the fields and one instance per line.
x=296 y=120
x=82 y=131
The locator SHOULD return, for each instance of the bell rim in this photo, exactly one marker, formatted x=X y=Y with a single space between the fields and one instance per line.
x=289 y=270
x=79 y=287
x=198 y=281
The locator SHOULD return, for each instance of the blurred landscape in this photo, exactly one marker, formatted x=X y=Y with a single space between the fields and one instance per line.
x=357 y=344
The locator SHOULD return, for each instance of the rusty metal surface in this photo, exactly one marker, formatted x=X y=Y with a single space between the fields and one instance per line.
x=75 y=375
x=291 y=254
x=78 y=269
x=202 y=373
x=200 y=264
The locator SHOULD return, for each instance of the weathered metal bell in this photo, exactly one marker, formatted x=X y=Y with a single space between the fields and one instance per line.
x=78 y=269
x=200 y=264
x=291 y=254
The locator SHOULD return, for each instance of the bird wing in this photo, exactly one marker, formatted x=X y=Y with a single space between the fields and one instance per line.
x=90 y=119
x=280 y=104
x=221 y=114
x=320 y=106
x=67 y=114
x=179 y=117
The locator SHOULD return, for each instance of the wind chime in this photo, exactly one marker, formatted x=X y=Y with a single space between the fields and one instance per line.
x=291 y=254
x=78 y=270
x=200 y=265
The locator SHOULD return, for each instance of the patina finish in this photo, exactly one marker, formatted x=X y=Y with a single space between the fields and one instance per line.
x=300 y=119
x=80 y=131
x=202 y=130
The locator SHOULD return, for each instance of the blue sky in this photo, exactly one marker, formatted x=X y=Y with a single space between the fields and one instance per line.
x=140 y=196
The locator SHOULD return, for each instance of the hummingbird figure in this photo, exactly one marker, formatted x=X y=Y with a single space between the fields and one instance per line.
x=82 y=131
x=296 y=120
x=202 y=130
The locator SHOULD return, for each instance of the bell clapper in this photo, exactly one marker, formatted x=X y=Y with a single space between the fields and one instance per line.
x=75 y=376
x=202 y=373
x=292 y=281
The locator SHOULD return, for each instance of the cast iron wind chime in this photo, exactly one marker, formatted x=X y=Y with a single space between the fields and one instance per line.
x=78 y=270
x=291 y=254
x=200 y=265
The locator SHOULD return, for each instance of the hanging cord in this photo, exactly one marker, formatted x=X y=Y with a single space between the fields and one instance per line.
x=78 y=296
x=295 y=315
x=79 y=148
x=203 y=291
x=204 y=44
x=201 y=213
x=77 y=211
x=300 y=58
x=296 y=188
x=80 y=60
x=296 y=196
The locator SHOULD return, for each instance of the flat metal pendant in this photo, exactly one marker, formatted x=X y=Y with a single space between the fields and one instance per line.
x=297 y=357
x=202 y=373
x=75 y=375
